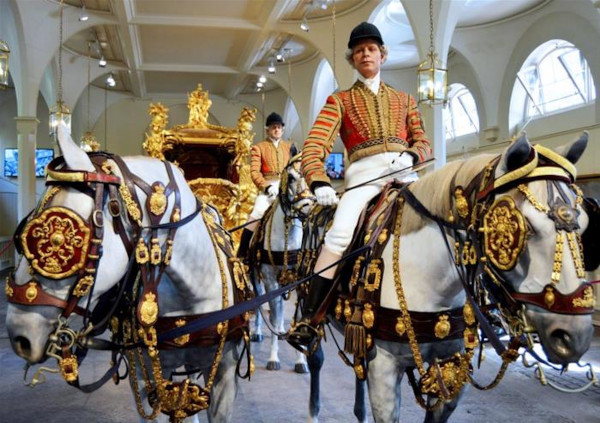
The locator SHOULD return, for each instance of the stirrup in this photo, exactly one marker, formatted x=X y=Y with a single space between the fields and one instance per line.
x=304 y=337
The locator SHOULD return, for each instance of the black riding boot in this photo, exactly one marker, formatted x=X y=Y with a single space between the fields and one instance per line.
x=242 y=251
x=305 y=333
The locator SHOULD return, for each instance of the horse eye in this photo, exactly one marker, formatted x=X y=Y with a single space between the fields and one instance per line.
x=529 y=228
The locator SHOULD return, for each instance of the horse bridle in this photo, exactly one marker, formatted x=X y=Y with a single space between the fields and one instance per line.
x=479 y=224
x=503 y=233
x=58 y=243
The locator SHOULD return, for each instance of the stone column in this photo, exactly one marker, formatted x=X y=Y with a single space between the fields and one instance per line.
x=433 y=119
x=26 y=135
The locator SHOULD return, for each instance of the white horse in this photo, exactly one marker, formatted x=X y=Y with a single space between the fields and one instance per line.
x=88 y=219
x=509 y=226
x=279 y=244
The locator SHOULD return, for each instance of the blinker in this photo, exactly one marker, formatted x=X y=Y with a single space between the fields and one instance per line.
x=564 y=216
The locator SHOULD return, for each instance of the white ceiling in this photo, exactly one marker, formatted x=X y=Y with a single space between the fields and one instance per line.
x=168 y=46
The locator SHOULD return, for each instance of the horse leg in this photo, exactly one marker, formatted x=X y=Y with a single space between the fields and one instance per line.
x=257 y=335
x=276 y=319
x=442 y=413
x=315 y=362
x=225 y=386
x=300 y=367
x=383 y=377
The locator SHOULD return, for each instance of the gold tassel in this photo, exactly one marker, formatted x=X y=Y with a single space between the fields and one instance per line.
x=355 y=335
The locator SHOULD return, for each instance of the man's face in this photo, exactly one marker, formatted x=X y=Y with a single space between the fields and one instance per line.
x=367 y=58
x=275 y=130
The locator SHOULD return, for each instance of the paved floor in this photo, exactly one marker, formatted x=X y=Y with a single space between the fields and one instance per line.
x=282 y=396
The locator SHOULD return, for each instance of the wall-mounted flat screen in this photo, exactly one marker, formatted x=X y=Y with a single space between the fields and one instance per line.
x=43 y=156
x=334 y=166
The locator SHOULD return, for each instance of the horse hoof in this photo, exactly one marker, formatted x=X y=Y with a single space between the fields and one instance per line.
x=256 y=337
x=273 y=365
x=301 y=368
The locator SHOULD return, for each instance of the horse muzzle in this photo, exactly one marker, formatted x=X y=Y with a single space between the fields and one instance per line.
x=564 y=338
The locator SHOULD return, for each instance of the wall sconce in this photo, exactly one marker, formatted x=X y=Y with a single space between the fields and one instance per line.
x=110 y=80
x=271 y=67
x=83 y=16
x=4 y=55
x=433 y=79
x=304 y=25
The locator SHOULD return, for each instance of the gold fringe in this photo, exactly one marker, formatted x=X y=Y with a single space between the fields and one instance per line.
x=355 y=336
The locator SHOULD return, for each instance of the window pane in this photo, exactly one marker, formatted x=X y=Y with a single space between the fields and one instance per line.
x=461 y=115
x=555 y=77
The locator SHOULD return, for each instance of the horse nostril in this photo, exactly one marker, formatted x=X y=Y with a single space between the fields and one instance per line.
x=22 y=346
x=562 y=341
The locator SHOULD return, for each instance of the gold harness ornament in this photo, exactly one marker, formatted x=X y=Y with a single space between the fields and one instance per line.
x=503 y=233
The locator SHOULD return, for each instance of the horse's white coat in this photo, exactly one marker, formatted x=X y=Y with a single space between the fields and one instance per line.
x=431 y=283
x=192 y=284
x=269 y=274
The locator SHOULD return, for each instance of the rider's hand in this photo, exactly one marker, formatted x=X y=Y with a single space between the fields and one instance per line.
x=403 y=161
x=326 y=196
x=272 y=191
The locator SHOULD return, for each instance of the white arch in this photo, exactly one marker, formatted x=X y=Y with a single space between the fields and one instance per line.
x=323 y=85
x=559 y=25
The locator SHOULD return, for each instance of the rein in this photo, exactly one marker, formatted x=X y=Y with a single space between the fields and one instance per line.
x=214 y=317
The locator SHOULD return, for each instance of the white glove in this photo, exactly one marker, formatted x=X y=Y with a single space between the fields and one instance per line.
x=326 y=196
x=272 y=191
x=403 y=161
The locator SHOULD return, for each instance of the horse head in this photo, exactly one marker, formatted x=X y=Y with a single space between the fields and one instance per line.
x=530 y=236
x=58 y=243
x=295 y=196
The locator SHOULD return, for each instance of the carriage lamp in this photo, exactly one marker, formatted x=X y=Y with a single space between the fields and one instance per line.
x=4 y=54
x=59 y=113
x=432 y=78
x=88 y=140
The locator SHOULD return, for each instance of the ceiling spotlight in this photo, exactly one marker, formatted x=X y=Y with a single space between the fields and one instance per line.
x=83 y=16
x=260 y=84
x=324 y=4
x=110 y=81
x=279 y=57
x=304 y=25
x=262 y=79
x=102 y=62
x=271 y=67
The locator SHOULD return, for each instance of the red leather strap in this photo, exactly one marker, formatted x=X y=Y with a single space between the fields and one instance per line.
x=579 y=301
x=32 y=294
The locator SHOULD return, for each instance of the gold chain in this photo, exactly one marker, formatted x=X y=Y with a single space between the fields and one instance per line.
x=225 y=302
x=60 y=37
x=412 y=338
x=535 y=203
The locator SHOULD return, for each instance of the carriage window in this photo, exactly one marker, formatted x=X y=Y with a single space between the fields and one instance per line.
x=461 y=115
x=554 y=77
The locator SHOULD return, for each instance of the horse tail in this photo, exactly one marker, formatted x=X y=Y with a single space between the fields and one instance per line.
x=315 y=362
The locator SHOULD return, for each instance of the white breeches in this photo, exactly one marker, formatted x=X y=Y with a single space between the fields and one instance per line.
x=354 y=201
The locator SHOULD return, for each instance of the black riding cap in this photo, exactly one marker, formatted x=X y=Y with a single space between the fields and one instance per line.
x=363 y=31
x=274 y=118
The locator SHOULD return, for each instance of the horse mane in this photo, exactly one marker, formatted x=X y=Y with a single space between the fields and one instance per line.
x=433 y=190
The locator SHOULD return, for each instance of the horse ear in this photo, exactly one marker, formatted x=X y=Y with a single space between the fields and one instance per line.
x=573 y=151
x=518 y=154
x=293 y=150
x=75 y=157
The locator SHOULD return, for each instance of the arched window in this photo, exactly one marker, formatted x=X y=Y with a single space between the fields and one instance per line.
x=461 y=114
x=554 y=77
